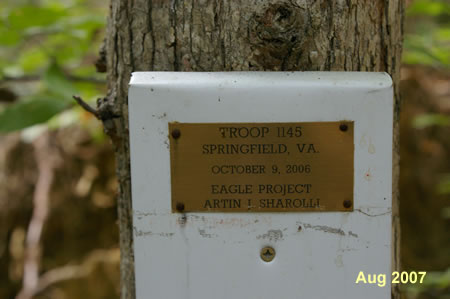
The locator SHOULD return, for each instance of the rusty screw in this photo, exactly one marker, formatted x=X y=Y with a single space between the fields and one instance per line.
x=176 y=133
x=180 y=207
x=267 y=254
x=347 y=204
x=343 y=127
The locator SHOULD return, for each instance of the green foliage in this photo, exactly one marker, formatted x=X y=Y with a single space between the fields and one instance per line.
x=428 y=8
x=54 y=44
x=426 y=120
x=56 y=82
x=435 y=285
x=427 y=41
x=27 y=113
x=444 y=185
x=38 y=108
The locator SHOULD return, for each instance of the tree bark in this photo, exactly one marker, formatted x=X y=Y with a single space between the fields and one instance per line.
x=254 y=35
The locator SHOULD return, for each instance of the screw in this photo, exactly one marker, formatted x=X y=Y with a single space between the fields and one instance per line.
x=347 y=204
x=299 y=228
x=343 y=127
x=176 y=133
x=180 y=207
x=267 y=254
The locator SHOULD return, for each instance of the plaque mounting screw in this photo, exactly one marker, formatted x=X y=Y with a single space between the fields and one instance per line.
x=347 y=204
x=343 y=127
x=176 y=133
x=267 y=254
x=180 y=207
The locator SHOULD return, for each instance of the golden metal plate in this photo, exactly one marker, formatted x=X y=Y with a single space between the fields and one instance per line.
x=261 y=167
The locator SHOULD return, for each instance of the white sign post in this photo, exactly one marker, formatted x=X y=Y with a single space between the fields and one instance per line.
x=296 y=254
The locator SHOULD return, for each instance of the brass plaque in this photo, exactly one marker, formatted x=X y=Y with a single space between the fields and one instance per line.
x=261 y=167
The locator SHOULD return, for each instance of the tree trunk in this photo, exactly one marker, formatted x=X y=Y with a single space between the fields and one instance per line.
x=255 y=35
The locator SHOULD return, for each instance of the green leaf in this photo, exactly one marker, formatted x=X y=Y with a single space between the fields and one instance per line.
x=53 y=38
x=34 y=111
x=57 y=83
x=443 y=34
x=426 y=49
x=428 y=8
x=87 y=22
x=26 y=16
x=444 y=185
x=427 y=120
x=32 y=60
x=9 y=37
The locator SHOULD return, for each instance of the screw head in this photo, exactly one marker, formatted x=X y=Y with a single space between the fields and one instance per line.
x=176 y=133
x=267 y=254
x=343 y=127
x=347 y=204
x=180 y=207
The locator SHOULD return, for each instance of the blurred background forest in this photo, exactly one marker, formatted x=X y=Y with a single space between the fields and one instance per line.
x=58 y=230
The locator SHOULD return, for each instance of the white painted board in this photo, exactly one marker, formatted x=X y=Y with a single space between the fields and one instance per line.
x=217 y=255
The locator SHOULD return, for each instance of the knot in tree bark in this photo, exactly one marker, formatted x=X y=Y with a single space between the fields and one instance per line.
x=276 y=32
